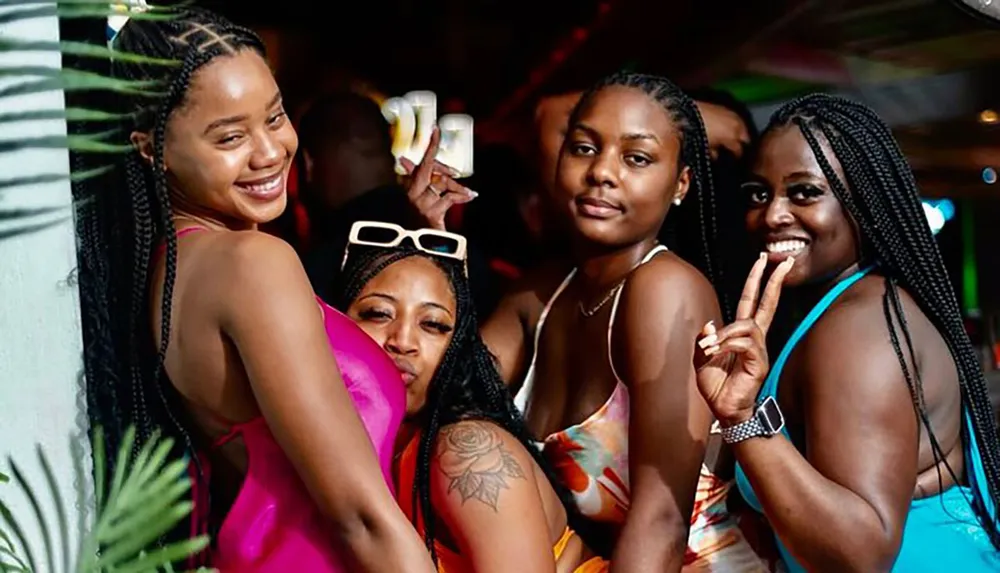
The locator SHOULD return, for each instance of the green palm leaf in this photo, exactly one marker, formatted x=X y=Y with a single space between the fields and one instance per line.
x=33 y=79
x=145 y=500
x=64 y=12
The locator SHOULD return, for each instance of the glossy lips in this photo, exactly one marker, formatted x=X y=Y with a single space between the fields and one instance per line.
x=407 y=370
x=594 y=208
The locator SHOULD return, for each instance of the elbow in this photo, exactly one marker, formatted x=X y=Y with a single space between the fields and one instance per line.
x=664 y=529
x=360 y=527
x=875 y=553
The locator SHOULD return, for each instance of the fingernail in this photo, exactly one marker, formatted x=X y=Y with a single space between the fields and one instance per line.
x=762 y=256
x=709 y=327
x=711 y=351
x=708 y=340
x=790 y=261
x=472 y=193
x=454 y=172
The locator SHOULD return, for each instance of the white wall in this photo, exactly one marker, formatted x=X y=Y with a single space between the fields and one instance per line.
x=41 y=398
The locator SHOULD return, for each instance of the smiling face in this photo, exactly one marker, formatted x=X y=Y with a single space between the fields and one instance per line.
x=229 y=146
x=409 y=309
x=794 y=212
x=619 y=168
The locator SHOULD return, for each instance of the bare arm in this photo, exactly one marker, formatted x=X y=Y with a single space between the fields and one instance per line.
x=483 y=489
x=663 y=307
x=271 y=315
x=842 y=507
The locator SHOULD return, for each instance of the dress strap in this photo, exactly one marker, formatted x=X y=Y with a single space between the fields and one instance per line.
x=161 y=248
x=521 y=398
x=770 y=387
x=618 y=295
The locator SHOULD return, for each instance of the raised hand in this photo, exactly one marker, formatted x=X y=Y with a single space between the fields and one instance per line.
x=732 y=363
x=430 y=186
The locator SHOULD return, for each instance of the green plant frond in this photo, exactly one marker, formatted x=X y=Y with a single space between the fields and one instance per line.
x=68 y=114
x=87 y=10
x=43 y=523
x=165 y=555
x=45 y=178
x=57 y=500
x=81 y=143
x=4 y=478
x=80 y=49
x=21 y=231
x=15 y=528
x=17 y=214
x=72 y=80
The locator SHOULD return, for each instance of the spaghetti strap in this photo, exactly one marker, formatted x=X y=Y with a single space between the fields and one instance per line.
x=161 y=248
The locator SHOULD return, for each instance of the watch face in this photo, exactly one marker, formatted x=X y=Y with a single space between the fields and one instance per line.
x=770 y=416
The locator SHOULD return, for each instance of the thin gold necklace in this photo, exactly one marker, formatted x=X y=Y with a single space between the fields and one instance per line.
x=611 y=292
x=614 y=290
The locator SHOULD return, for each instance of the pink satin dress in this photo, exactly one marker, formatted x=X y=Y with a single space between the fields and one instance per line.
x=274 y=525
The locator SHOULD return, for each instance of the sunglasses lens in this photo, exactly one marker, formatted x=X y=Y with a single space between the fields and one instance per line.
x=439 y=244
x=377 y=235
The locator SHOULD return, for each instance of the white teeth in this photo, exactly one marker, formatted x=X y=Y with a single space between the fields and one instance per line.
x=265 y=187
x=786 y=246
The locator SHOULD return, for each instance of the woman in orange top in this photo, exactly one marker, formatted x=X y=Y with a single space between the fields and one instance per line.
x=463 y=456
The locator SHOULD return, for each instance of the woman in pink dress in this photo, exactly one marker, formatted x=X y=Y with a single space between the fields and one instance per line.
x=203 y=327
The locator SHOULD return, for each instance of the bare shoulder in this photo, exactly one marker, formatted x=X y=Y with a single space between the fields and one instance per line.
x=668 y=285
x=852 y=344
x=477 y=462
x=254 y=253
x=250 y=266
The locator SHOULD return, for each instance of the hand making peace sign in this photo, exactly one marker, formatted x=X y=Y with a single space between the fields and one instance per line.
x=732 y=363
x=430 y=187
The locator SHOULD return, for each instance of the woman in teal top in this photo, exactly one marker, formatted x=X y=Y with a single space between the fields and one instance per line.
x=886 y=455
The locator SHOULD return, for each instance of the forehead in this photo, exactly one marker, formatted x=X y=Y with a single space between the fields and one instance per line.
x=229 y=85
x=785 y=150
x=412 y=276
x=617 y=110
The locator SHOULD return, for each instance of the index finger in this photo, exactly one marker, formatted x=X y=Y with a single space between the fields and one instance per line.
x=748 y=300
x=772 y=292
x=422 y=175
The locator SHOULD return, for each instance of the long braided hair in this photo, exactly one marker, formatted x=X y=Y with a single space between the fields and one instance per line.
x=465 y=386
x=694 y=154
x=881 y=195
x=124 y=217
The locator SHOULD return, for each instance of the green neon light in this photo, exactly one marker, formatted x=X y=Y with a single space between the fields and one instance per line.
x=970 y=274
x=760 y=89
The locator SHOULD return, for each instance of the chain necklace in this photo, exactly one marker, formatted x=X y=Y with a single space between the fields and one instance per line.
x=610 y=294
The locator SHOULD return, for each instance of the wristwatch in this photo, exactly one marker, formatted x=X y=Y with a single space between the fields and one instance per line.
x=766 y=421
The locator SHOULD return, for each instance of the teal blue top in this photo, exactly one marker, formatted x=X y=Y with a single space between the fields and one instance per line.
x=941 y=533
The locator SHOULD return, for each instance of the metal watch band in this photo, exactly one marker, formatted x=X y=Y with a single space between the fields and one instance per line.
x=767 y=420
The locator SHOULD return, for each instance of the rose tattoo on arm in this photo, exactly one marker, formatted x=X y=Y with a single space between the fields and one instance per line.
x=473 y=458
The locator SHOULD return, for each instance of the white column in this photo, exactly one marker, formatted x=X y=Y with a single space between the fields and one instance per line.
x=41 y=381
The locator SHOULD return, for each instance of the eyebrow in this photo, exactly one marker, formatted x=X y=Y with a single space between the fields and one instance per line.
x=637 y=136
x=391 y=298
x=238 y=118
x=801 y=175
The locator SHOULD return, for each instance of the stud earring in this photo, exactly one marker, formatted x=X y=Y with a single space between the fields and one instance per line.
x=677 y=201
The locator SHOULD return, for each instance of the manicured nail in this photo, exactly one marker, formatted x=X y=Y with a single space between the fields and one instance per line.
x=762 y=256
x=711 y=351
x=790 y=261
x=709 y=328
x=707 y=341
x=472 y=193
